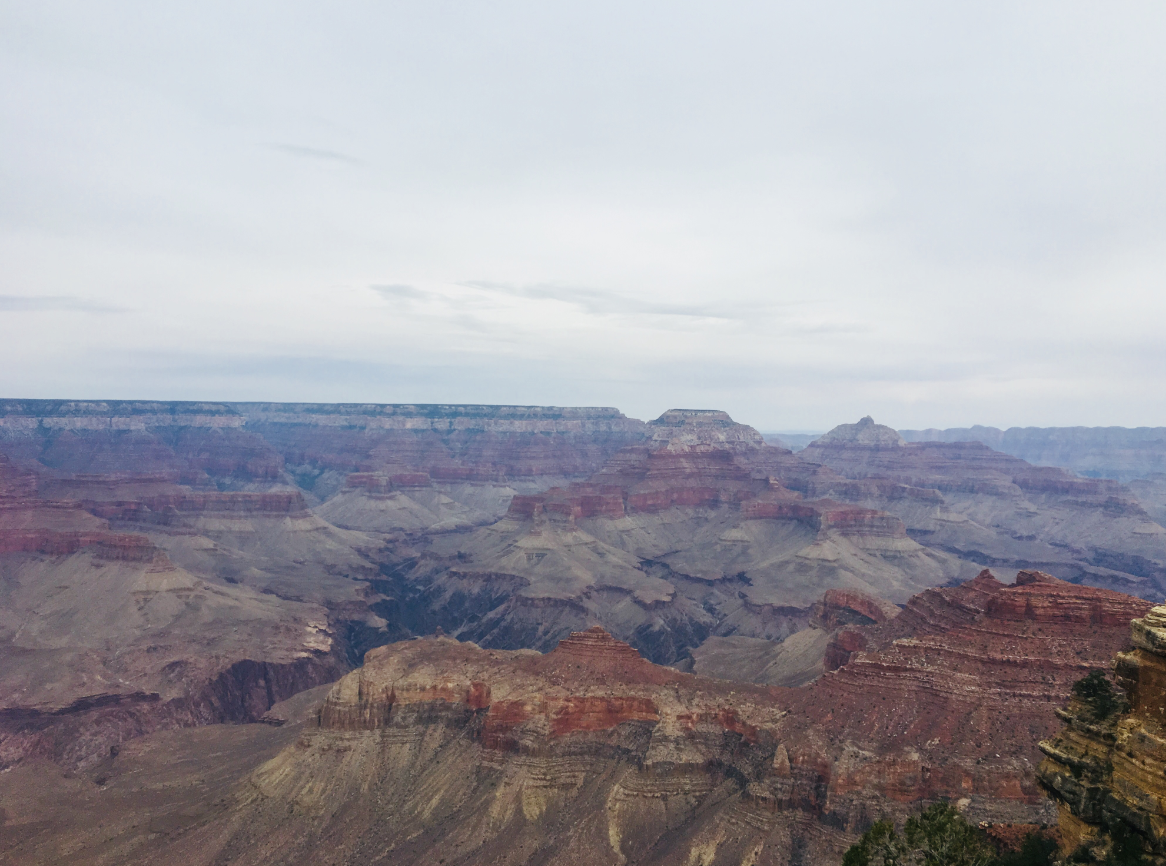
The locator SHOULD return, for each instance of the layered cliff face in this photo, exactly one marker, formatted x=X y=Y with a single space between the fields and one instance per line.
x=703 y=532
x=220 y=535
x=161 y=563
x=443 y=752
x=440 y=751
x=103 y=636
x=466 y=461
x=988 y=507
x=130 y=601
x=951 y=697
x=1121 y=453
x=1106 y=769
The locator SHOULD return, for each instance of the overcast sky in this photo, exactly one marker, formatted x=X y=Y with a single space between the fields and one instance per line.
x=936 y=213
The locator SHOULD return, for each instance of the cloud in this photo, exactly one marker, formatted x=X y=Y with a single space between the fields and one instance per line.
x=44 y=303
x=399 y=292
x=314 y=153
x=605 y=303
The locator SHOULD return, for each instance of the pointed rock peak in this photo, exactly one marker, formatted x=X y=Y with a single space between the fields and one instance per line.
x=595 y=644
x=688 y=428
x=865 y=433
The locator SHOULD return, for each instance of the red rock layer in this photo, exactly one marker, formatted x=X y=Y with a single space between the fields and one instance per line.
x=526 y=701
x=950 y=711
x=107 y=545
x=954 y=693
x=654 y=478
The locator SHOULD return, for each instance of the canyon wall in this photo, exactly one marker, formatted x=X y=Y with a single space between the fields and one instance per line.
x=1106 y=769
x=437 y=750
x=987 y=507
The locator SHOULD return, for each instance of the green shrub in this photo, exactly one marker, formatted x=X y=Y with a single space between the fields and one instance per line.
x=937 y=837
x=1038 y=849
x=1098 y=694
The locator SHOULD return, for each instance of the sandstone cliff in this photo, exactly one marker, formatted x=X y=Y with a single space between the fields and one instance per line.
x=1106 y=769
x=439 y=751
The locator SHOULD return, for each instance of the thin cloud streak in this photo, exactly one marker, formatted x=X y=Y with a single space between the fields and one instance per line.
x=315 y=153
x=54 y=303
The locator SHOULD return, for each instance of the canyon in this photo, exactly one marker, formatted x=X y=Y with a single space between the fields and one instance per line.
x=168 y=569
x=438 y=750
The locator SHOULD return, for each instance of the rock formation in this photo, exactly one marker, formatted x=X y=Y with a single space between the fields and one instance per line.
x=954 y=693
x=439 y=751
x=1105 y=769
x=149 y=551
x=986 y=507
x=703 y=532
x=160 y=564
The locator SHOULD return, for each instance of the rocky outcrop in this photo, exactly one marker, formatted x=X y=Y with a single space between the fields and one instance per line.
x=1106 y=769
x=865 y=433
x=954 y=693
x=439 y=751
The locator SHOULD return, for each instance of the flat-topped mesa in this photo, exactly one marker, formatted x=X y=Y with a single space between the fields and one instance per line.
x=260 y=441
x=866 y=433
x=147 y=413
x=680 y=429
x=595 y=647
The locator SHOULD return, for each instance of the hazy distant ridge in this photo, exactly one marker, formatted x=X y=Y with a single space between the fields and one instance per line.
x=1123 y=453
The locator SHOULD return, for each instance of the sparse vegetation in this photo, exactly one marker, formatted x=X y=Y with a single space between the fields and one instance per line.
x=941 y=837
x=1098 y=694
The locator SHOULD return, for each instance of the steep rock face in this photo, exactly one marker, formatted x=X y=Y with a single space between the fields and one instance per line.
x=988 y=507
x=954 y=693
x=85 y=731
x=438 y=751
x=518 y=440
x=476 y=457
x=1107 y=772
